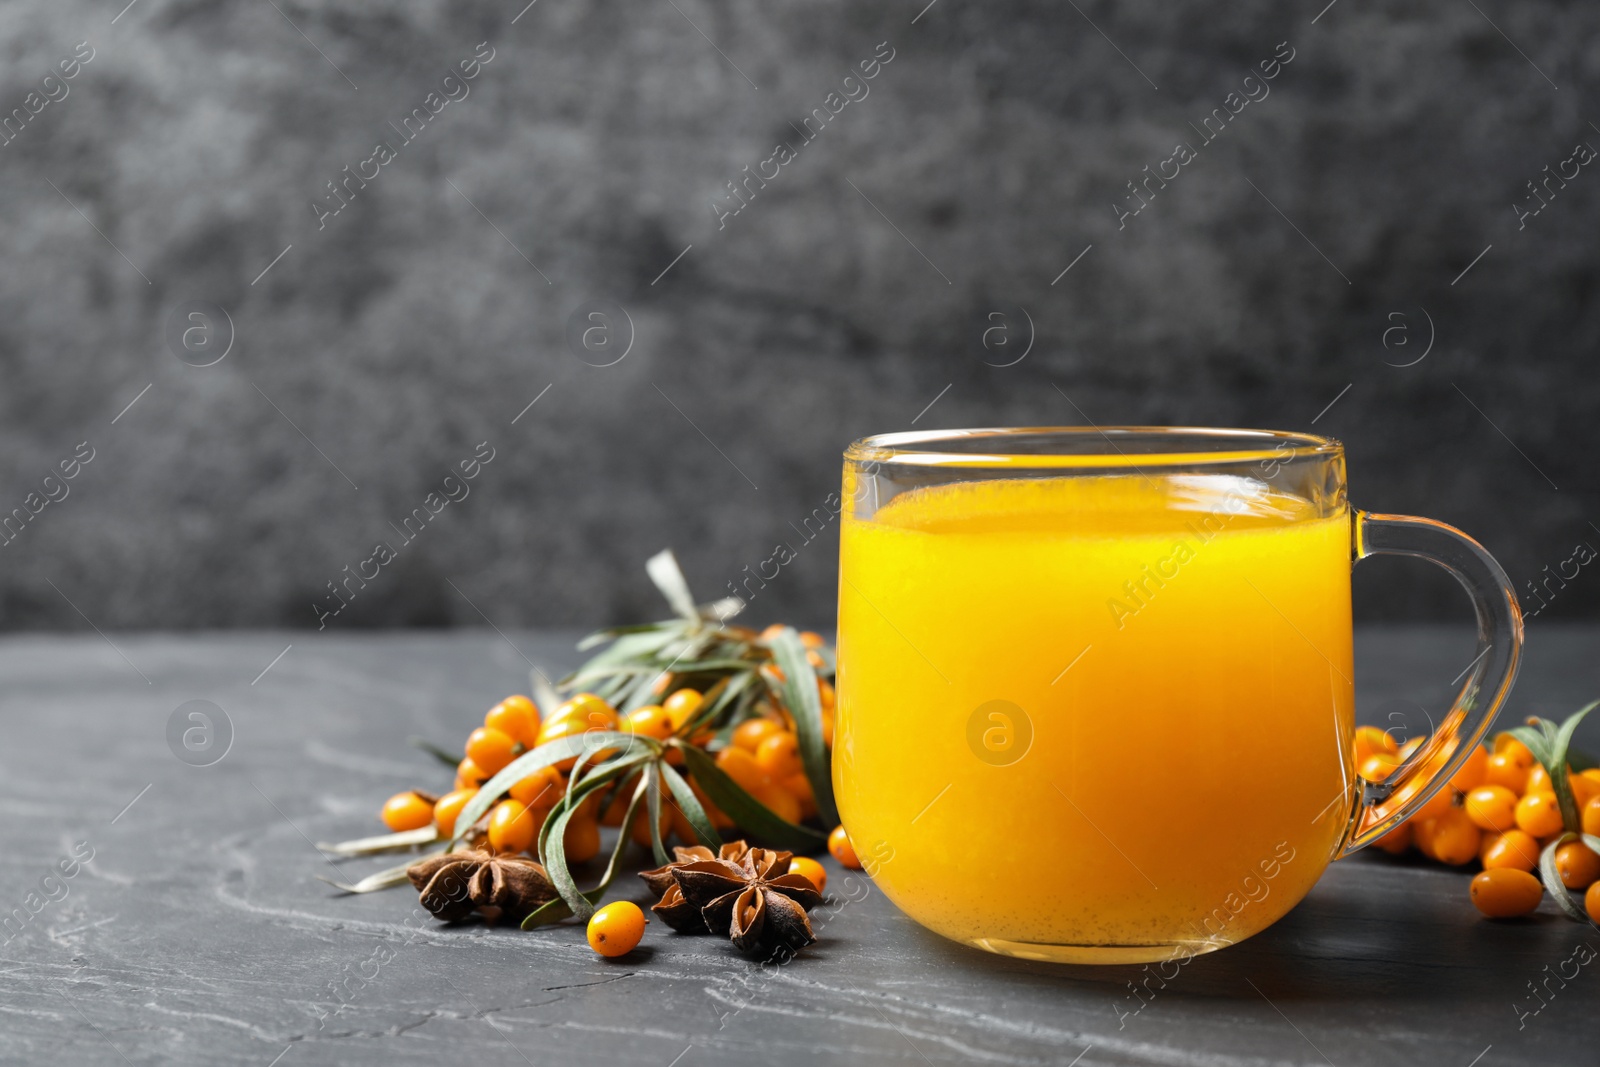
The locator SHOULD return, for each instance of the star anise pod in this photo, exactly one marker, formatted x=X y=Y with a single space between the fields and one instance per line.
x=673 y=909
x=755 y=901
x=455 y=884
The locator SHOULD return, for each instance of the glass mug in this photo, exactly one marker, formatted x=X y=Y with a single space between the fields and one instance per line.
x=1095 y=697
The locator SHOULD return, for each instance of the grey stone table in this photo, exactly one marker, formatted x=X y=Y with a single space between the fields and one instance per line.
x=198 y=935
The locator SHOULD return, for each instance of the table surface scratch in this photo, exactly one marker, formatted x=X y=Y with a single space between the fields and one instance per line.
x=197 y=934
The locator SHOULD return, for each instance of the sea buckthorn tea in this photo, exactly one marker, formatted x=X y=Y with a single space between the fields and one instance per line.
x=1095 y=691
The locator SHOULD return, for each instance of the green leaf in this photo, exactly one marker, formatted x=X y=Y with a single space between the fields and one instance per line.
x=1552 y=879
x=366 y=846
x=692 y=810
x=801 y=698
x=553 y=855
x=664 y=571
x=652 y=787
x=1557 y=768
x=1537 y=740
x=435 y=751
x=385 y=879
x=524 y=765
x=751 y=815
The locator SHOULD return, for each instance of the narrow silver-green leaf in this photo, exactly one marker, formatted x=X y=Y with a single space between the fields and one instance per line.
x=524 y=765
x=749 y=813
x=366 y=846
x=691 y=807
x=384 y=879
x=1557 y=768
x=652 y=788
x=800 y=696
x=1552 y=879
x=1536 y=740
x=664 y=571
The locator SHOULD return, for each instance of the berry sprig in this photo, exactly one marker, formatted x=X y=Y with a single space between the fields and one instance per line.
x=683 y=728
x=1529 y=804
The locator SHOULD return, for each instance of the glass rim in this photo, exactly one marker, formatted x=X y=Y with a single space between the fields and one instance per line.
x=1200 y=445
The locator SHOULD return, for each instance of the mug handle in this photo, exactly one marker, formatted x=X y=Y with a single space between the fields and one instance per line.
x=1384 y=805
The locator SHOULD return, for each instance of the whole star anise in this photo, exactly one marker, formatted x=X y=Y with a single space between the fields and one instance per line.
x=754 y=900
x=673 y=908
x=455 y=884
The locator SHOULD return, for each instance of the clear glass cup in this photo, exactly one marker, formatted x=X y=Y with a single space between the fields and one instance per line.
x=1095 y=697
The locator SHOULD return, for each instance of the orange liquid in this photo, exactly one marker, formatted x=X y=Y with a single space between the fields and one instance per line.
x=1170 y=771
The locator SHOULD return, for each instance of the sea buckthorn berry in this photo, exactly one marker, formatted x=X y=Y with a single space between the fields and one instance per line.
x=1591 y=903
x=1538 y=780
x=541 y=789
x=742 y=767
x=841 y=848
x=810 y=870
x=782 y=803
x=682 y=828
x=1492 y=807
x=640 y=830
x=449 y=806
x=1505 y=892
x=682 y=705
x=1508 y=745
x=1538 y=814
x=617 y=928
x=1411 y=746
x=490 y=749
x=1583 y=789
x=1514 y=848
x=1578 y=865
x=651 y=720
x=811 y=639
x=1503 y=769
x=1371 y=740
x=826 y=692
x=406 y=811
x=517 y=718
x=749 y=734
x=779 y=755
x=1422 y=833
x=469 y=775
x=1455 y=838
x=581 y=842
x=1591 y=816
x=772 y=631
x=511 y=827
x=1396 y=841
x=1470 y=774
x=1379 y=765
x=577 y=726
x=814 y=658
x=585 y=708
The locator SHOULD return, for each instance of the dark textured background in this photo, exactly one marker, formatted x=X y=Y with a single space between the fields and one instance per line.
x=997 y=141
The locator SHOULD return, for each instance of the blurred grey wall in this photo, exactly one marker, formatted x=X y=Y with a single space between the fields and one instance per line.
x=1353 y=245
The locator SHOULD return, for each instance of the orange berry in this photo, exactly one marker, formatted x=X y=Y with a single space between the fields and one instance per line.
x=826 y=692
x=772 y=631
x=1591 y=816
x=640 y=830
x=469 y=775
x=1583 y=789
x=616 y=929
x=811 y=639
x=1591 y=903
x=511 y=827
x=1410 y=747
x=541 y=789
x=810 y=870
x=517 y=718
x=651 y=720
x=682 y=705
x=406 y=811
x=1455 y=838
x=1378 y=766
x=449 y=806
x=1370 y=740
x=749 y=734
x=1422 y=833
x=843 y=851
x=1538 y=780
x=1492 y=807
x=1510 y=746
x=1503 y=769
x=1470 y=774
x=581 y=842
x=1505 y=892
x=490 y=749
x=779 y=755
x=1578 y=865
x=782 y=803
x=1514 y=848
x=742 y=767
x=1538 y=814
x=1396 y=841
x=1436 y=805
x=576 y=724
